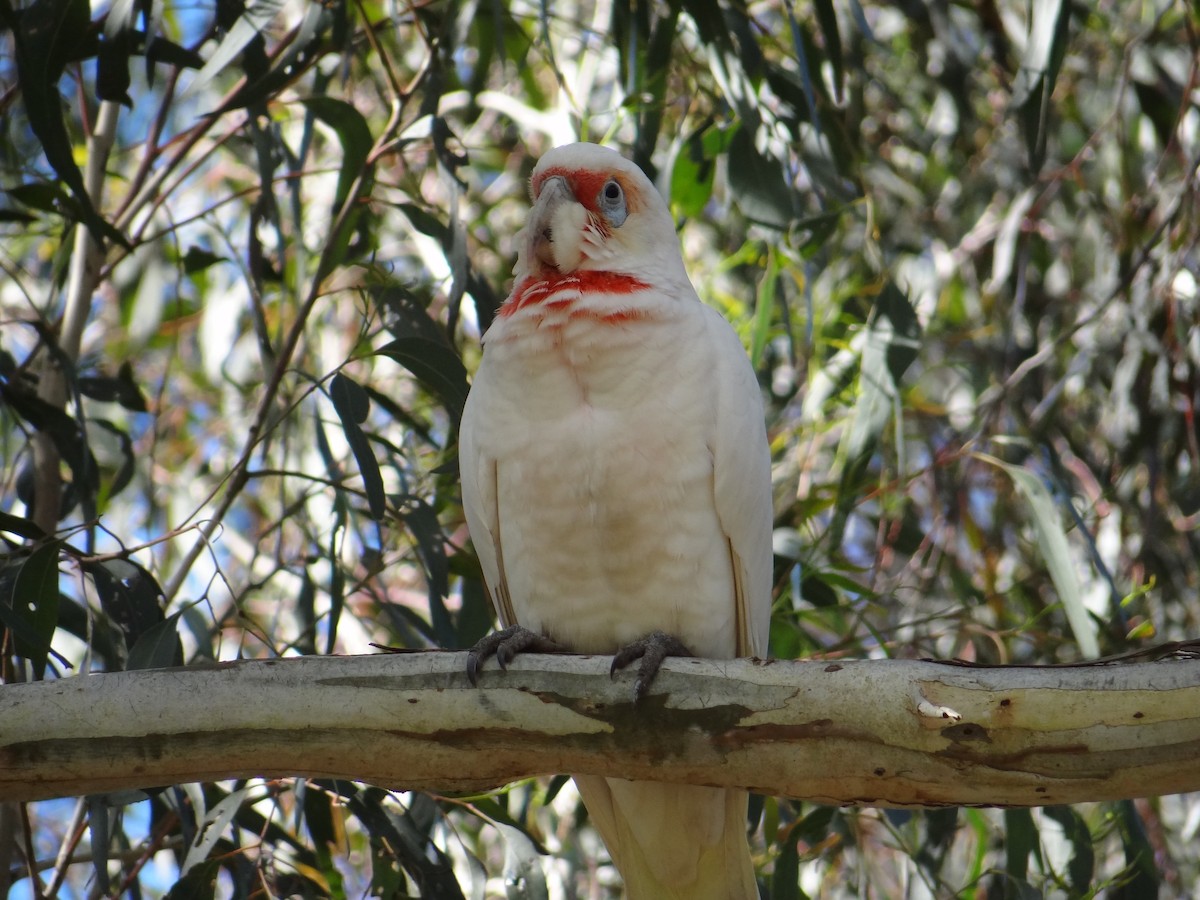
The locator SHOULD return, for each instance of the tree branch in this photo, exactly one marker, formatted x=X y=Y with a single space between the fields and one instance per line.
x=882 y=733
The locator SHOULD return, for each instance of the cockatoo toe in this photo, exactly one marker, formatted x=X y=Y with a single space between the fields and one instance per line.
x=505 y=645
x=651 y=650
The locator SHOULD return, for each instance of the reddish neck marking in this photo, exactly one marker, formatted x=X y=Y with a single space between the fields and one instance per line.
x=535 y=289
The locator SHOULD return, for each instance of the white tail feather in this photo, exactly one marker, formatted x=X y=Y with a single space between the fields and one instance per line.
x=673 y=841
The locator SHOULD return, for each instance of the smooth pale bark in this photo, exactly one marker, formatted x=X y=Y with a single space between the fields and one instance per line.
x=881 y=733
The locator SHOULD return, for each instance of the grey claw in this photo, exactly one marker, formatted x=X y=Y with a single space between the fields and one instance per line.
x=505 y=645
x=651 y=650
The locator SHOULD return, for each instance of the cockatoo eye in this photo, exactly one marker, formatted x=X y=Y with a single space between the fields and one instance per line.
x=612 y=203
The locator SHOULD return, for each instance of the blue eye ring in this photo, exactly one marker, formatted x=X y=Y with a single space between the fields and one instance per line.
x=611 y=203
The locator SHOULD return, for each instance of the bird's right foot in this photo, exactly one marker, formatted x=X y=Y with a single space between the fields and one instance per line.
x=651 y=650
x=505 y=645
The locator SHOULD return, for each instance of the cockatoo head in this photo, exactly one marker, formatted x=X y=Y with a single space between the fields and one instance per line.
x=595 y=210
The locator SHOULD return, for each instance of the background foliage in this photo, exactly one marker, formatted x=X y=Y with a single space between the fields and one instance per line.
x=959 y=240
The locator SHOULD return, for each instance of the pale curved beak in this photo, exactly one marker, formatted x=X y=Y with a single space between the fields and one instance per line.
x=553 y=194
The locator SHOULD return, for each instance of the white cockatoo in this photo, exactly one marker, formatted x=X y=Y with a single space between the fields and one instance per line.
x=616 y=482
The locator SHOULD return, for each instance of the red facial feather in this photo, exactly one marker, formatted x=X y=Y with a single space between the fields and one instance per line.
x=534 y=291
x=586 y=185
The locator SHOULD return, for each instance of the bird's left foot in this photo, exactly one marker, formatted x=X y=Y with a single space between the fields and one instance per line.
x=651 y=650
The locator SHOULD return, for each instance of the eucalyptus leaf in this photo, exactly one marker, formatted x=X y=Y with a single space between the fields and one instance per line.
x=1055 y=549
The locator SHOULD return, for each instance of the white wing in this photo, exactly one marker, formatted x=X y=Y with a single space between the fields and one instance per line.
x=742 y=485
x=477 y=469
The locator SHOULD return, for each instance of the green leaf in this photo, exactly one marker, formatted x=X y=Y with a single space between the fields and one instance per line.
x=47 y=196
x=264 y=85
x=354 y=177
x=216 y=819
x=889 y=346
x=31 y=608
x=1052 y=541
x=409 y=845
x=423 y=523
x=337 y=577
x=129 y=595
x=764 y=306
x=655 y=65
x=17 y=525
x=253 y=21
x=349 y=399
x=815 y=231
x=694 y=168
x=425 y=222
x=99 y=822
x=319 y=819
x=116 y=451
x=904 y=330
x=785 y=882
x=941 y=828
x=352 y=405
x=1141 y=871
x=807 y=63
x=158 y=647
x=522 y=861
x=78 y=620
x=1081 y=867
x=161 y=50
x=122 y=389
x=114 y=52
x=818 y=592
x=306 y=611
x=1049 y=30
x=46 y=36
x=1162 y=103
x=758 y=183
x=198 y=259
x=200 y=882
x=62 y=429
x=816 y=825
x=421 y=346
x=877 y=382
x=318 y=816
x=827 y=19
x=436 y=366
x=555 y=784
x=691 y=180
x=1021 y=840
x=474 y=618
x=886 y=348
x=12 y=215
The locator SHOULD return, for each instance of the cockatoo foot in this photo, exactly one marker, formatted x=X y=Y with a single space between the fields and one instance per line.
x=505 y=645
x=651 y=650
